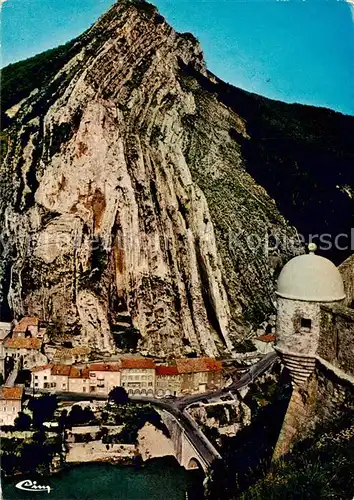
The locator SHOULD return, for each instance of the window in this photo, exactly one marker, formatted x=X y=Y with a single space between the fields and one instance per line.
x=36 y=384
x=36 y=377
x=45 y=377
x=306 y=323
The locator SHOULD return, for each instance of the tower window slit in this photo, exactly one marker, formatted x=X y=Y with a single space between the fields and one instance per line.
x=306 y=323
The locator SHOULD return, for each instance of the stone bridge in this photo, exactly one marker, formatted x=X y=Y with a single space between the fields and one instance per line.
x=190 y=450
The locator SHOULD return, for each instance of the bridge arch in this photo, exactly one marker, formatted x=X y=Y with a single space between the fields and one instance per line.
x=193 y=464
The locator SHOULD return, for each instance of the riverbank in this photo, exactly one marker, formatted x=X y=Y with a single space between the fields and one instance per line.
x=125 y=434
x=150 y=443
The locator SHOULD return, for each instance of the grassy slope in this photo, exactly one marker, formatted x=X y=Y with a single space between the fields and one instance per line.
x=18 y=80
x=320 y=467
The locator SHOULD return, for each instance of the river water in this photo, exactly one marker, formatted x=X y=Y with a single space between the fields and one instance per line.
x=159 y=479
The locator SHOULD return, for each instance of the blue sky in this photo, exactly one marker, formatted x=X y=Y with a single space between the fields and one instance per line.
x=295 y=51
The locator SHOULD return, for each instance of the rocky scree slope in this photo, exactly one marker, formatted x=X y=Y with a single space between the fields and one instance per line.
x=125 y=196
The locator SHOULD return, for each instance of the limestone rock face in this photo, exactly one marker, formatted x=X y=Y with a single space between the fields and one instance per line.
x=123 y=194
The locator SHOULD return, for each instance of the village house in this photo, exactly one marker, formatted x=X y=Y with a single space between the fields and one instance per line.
x=10 y=404
x=5 y=329
x=168 y=381
x=24 y=342
x=21 y=346
x=51 y=377
x=104 y=377
x=41 y=377
x=199 y=374
x=26 y=327
x=97 y=378
x=138 y=376
x=79 y=380
x=60 y=377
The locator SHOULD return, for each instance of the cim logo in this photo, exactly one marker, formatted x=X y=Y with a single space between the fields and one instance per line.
x=28 y=485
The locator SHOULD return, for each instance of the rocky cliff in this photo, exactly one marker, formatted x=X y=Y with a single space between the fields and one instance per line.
x=126 y=200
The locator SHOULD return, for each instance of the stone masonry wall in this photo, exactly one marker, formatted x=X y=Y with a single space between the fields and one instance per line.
x=334 y=392
x=328 y=392
x=288 y=326
x=347 y=271
x=336 y=343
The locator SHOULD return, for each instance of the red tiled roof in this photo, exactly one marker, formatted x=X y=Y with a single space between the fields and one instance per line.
x=75 y=372
x=102 y=367
x=40 y=368
x=79 y=372
x=197 y=365
x=24 y=323
x=11 y=393
x=162 y=371
x=23 y=343
x=266 y=338
x=61 y=370
x=137 y=363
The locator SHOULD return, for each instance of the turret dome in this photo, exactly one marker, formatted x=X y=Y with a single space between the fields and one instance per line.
x=310 y=278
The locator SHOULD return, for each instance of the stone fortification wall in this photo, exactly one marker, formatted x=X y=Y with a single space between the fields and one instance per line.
x=334 y=392
x=347 y=271
x=327 y=394
x=336 y=343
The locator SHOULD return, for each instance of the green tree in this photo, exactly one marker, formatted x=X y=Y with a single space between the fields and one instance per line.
x=62 y=420
x=42 y=408
x=23 y=422
x=118 y=395
x=79 y=416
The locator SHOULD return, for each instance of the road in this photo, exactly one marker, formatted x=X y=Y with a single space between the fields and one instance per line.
x=196 y=437
x=194 y=434
x=178 y=407
x=255 y=370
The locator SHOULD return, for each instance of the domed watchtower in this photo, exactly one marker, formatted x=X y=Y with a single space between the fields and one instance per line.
x=305 y=282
